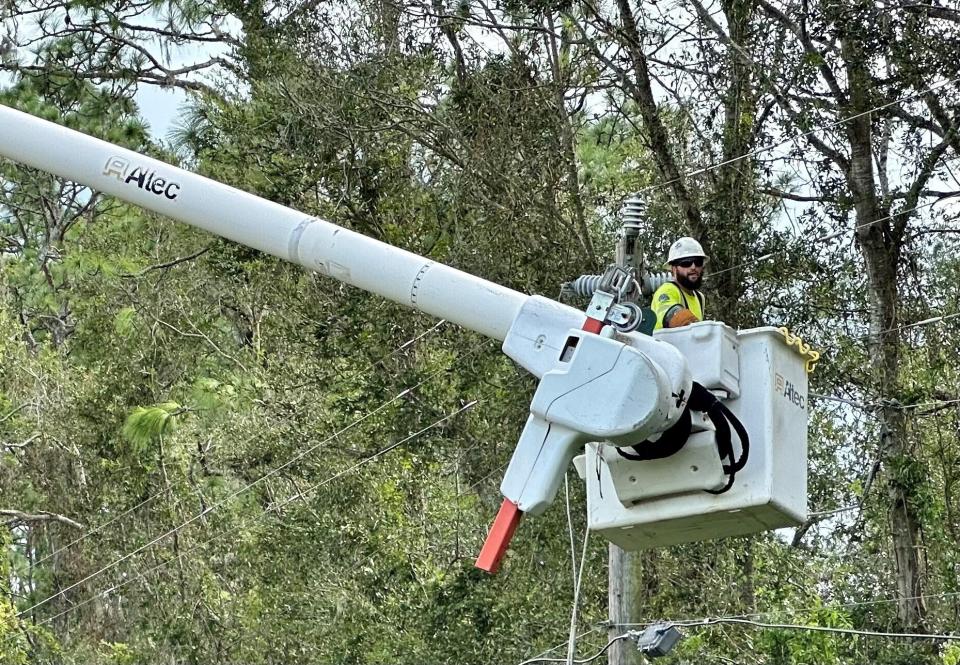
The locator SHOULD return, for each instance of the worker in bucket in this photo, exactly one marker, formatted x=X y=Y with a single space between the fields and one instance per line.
x=679 y=302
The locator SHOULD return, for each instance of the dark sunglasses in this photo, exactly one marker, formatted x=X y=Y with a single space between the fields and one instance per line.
x=689 y=263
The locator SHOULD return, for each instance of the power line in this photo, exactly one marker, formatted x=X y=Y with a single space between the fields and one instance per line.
x=885 y=404
x=479 y=482
x=577 y=579
x=793 y=612
x=820 y=629
x=168 y=488
x=757 y=624
x=823 y=238
x=409 y=342
x=243 y=489
x=588 y=659
x=297 y=495
x=275 y=508
x=905 y=326
x=915 y=324
x=833 y=125
x=834 y=511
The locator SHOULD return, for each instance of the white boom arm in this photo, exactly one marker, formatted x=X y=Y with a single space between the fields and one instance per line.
x=347 y=256
x=622 y=388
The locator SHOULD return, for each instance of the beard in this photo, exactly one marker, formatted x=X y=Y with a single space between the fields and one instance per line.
x=688 y=283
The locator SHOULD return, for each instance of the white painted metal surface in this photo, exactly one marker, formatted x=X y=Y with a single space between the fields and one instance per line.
x=600 y=388
x=769 y=493
x=350 y=257
x=710 y=348
x=696 y=467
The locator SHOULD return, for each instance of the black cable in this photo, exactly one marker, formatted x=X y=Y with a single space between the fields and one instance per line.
x=673 y=439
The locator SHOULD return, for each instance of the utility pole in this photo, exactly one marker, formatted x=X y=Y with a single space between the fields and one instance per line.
x=624 y=605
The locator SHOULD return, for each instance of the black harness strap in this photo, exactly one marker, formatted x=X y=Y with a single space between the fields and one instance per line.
x=674 y=438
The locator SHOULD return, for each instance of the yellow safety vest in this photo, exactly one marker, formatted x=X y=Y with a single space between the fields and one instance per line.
x=671 y=294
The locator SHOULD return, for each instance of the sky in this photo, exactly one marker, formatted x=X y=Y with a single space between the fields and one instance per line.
x=160 y=108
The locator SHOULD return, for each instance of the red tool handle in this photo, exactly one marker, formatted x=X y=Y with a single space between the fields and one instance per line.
x=499 y=537
x=495 y=546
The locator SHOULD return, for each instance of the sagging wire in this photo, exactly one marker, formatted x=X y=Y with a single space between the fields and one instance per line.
x=573 y=547
x=581 y=661
x=907 y=326
x=381 y=359
x=210 y=509
x=823 y=238
x=167 y=489
x=633 y=634
x=885 y=404
x=752 y=616
x=577 y=577
x=539 y=657
x=819 y=629
x=298 y=495
x=833 y=125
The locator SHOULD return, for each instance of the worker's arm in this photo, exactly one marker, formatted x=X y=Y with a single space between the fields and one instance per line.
x=669 y=308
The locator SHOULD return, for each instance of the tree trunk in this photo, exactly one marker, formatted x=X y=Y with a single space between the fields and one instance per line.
x=881 y=245
x=728 y=213
x=658 y=139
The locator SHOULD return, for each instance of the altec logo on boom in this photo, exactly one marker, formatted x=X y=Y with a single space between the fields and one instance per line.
x=145 y=179
x=787 y=389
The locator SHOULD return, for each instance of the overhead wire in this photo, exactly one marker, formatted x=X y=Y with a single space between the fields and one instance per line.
x=823 y=238
x=208 y=510
x=820 y=629
x=580 y=661
x=833 y=125
x=370 y=366
x=907 y=326
x=789 y=612
x=298 y=495
x=165 y=490
x=885 y=404
x=757 y=624
x=539 y=657
x=577 y=577
x=274 y=508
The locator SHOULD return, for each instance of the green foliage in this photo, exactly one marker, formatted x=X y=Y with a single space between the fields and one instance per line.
x=145 y=425
x=950 y=655
x=270 y=390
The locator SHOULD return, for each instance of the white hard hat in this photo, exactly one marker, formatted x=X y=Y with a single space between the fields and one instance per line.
x=685 y=248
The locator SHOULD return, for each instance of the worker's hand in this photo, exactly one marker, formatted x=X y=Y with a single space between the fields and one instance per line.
x=681 y=318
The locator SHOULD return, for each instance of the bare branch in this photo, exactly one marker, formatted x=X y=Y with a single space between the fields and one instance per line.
x=13 y=412
x=828 y=76
x=168 y=264
x=946 y=13
x=42 y=516
x=781 y=194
